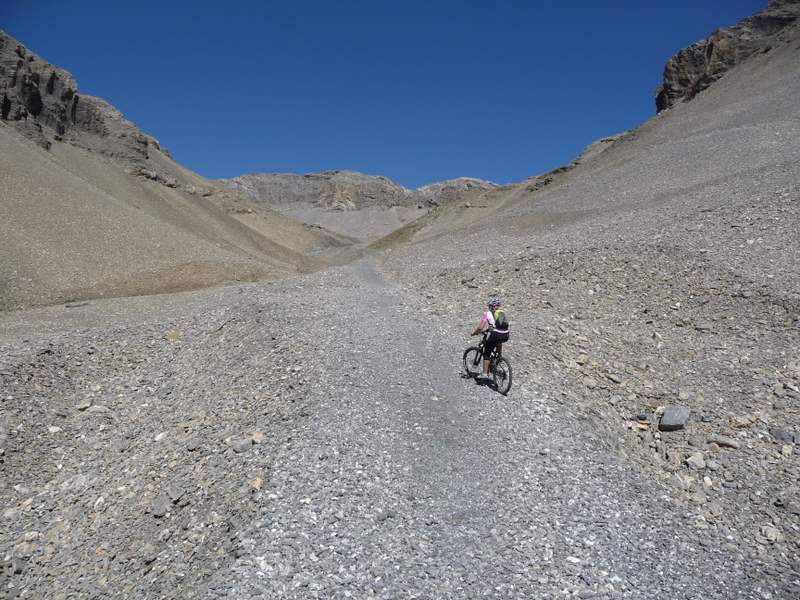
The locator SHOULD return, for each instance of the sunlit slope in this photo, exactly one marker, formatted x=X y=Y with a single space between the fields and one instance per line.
x=743 y=129
x=92 y=206
x=74 y=224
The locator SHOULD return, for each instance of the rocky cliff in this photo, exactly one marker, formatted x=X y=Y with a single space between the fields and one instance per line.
x=42 y=102
x=333 y=190
x=452 y=190
x=696 y=67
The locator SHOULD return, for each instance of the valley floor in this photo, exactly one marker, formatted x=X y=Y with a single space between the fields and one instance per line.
x=314 y=438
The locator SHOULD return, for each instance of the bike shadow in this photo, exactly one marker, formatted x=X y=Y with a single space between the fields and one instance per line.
x=480 y=381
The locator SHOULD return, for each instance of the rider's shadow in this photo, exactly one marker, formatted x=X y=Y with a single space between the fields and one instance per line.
x=479 y=381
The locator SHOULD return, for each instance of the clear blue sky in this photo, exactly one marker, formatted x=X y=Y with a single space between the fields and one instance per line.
x=416 y=91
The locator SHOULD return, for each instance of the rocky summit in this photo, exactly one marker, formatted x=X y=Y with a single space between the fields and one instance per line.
x=295 y=420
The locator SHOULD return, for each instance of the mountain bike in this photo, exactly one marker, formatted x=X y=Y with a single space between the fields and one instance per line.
x=499 y=366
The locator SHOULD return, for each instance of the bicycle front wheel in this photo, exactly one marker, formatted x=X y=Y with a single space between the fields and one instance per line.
x=502 y=375
x=472 y=361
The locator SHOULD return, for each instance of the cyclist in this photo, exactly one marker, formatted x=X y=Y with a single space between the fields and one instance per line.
x=494 y=320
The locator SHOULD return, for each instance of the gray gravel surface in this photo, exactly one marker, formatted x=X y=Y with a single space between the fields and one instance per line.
x=269 y=441
x=411 y=481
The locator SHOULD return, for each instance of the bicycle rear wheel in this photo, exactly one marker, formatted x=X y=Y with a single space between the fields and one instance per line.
x=502 y=375
x=472 y=361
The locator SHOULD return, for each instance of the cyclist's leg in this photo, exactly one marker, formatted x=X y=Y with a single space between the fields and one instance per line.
x=487 y=353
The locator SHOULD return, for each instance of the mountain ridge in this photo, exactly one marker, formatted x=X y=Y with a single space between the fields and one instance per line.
x=304 y=219
x=352 y=203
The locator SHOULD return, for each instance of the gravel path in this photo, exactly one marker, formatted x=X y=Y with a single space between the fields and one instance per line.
x=409 y=481
x=314 y=438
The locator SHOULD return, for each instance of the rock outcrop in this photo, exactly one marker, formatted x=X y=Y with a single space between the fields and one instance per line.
x=42 y=102
x=349 y=190
x=696 y=67
x=333 y=190
x=363 y=207
x=451 y=190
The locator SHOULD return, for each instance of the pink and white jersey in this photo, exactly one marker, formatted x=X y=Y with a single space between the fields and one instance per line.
x=487 y=317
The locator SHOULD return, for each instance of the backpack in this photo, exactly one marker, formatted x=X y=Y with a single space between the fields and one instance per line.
x=500 y=319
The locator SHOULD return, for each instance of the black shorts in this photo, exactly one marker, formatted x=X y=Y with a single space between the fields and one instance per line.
x=495 y=339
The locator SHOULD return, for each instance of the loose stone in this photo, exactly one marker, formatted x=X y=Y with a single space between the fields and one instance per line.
x=696 y=461
x=771 y=534
x=160 y=506
x=239 y=445
x=175 y=492
x=782 y=435
x=723 y=441
x=673 y=418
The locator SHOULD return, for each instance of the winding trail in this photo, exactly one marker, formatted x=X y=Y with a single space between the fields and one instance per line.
x=409 y=481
